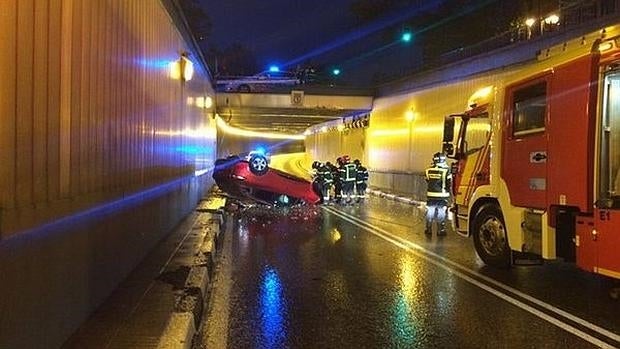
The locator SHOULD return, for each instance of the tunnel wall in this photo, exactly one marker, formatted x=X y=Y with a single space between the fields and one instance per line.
x=102 y=153
x=397 y=151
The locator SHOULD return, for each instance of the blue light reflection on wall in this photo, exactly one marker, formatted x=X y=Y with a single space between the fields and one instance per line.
x=272 y=310
x=154 y=64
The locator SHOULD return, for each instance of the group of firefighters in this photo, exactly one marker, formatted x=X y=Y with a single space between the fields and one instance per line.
x=345 y=183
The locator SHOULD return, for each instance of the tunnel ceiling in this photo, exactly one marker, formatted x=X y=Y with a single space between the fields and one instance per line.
x=286 y=120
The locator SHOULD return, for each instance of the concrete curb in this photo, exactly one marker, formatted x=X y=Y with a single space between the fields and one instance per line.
x=184 y=322
x=403 y=199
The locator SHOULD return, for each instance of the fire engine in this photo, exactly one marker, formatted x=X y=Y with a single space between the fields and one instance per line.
x=536 y=157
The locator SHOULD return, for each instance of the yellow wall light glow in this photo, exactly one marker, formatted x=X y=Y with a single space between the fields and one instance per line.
x=606 y=46
x=480 y=97
x=247 y=133
x=409 y=115
x=174 y=70
x=341 y=127
x=204 y=102
x=208 y=102
x=388 y=133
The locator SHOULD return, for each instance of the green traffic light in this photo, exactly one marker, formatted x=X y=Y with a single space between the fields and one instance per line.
x=336 y=71
x=406 y=37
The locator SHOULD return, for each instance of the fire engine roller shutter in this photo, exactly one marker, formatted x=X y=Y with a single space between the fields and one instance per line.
x=555 y=167
x=572 y=115
x=524 y=160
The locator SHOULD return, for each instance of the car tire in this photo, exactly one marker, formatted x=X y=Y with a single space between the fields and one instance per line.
x=258 y=165
x=244 y=88
x=490 y=237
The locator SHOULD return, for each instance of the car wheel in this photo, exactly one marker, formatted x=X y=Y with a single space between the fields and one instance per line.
x=490 y=237
x=243 y=88
x=258 y=165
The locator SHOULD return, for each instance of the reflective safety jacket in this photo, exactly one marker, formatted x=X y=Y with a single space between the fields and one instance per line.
x=439 y=181
x=324 y=175
x=348 y=172
x=362 y=174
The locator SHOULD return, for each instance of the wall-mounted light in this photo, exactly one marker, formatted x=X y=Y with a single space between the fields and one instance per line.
x=204 y=102
x=340 y=127
x=181 y=69
x=410 y=115
x=208 y=102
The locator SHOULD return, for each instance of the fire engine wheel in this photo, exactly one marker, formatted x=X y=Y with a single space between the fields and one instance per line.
x=258 y=165
x=490 y=237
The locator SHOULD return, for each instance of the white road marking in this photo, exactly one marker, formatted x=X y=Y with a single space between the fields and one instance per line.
x=424 y=254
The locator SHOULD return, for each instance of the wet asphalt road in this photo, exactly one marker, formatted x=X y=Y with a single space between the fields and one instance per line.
x=366 y=277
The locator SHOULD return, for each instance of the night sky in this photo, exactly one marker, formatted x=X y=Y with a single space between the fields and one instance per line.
x=279 y=31
x=327 y=34
x=324 y=33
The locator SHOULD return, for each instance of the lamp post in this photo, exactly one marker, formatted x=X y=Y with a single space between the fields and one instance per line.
x=550 y=20
x=529 y=23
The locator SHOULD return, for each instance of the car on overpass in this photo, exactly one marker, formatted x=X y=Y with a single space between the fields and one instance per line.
x=261 y=82
x=250 y=179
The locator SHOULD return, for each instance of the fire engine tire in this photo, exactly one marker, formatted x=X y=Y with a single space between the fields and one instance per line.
x=258 y=165
x=243 y=88
x=490 y=238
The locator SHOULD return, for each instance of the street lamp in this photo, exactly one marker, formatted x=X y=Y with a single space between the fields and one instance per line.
x=552 y=19
x=529 y=23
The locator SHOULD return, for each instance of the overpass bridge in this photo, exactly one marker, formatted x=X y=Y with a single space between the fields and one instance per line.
x=293 y=110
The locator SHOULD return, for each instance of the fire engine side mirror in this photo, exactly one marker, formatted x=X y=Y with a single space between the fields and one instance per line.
x=454 y=168
x=448 y=136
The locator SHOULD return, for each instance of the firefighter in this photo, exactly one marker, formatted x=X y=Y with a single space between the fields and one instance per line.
x=337 y=180
x=361 y=180
x=323 y=179
x=348 y=176
x=439 y=182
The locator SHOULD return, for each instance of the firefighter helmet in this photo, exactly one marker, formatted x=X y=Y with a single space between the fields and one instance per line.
x=346 y=159
x=339 y=161
x=439 y=158
x=316 y=164
x=357 y=162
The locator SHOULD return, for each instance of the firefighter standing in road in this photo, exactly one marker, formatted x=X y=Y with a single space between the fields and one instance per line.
x=337 y=180
x=348 y=176
x=439 y=182
x=361 y=180
x=323 y=179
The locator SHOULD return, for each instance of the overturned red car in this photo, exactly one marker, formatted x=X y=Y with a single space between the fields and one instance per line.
x=251 y=179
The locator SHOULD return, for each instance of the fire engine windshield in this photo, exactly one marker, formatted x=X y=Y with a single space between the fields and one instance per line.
x=610 y=142
x=474 y=135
